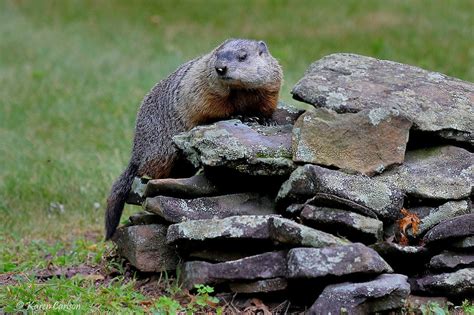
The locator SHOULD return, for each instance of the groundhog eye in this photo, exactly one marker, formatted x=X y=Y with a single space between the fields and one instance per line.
x=242 y=56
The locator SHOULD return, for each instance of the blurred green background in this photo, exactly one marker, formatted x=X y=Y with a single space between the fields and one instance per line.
x=73 y=73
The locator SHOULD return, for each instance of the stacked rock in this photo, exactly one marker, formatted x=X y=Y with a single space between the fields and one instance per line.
x=317 y=207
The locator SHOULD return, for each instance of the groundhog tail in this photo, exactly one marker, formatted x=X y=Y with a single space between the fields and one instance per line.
x=116 y=201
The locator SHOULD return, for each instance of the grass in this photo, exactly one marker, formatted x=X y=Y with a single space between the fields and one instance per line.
x=72 y=75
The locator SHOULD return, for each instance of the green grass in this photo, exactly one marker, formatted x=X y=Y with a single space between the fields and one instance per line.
x=73 y=73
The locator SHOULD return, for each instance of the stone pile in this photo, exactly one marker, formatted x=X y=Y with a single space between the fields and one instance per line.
x=352 y=205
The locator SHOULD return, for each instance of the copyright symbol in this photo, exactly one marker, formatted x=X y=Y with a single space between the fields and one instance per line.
x=20 y=305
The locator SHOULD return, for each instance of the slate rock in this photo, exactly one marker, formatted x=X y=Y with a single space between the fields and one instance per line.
x=144 y=246
x=351 y=83
x=192 y=187
x=260 y=286
x=404 y=259
x=288 y=232
x=384 y=293
x=145 y=217
x=332 y=188
x=237 y=227
x=307 y=263
x=386 y=248
x=286 y=114
x=347 y=223
x=136 y=196
x=178 y=210
x=458 y=283
x=213 y=254
x=367 y=142
x=446 y=211
x=245 y=149
x=452 y=260
x=463 y=243
x=460 y=226
x=444 y=173
x=264 y=266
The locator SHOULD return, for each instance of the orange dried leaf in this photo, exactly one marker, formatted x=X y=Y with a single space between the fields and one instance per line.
x=409 y=220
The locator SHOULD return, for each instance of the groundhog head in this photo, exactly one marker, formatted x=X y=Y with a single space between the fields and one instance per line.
x=247 y=64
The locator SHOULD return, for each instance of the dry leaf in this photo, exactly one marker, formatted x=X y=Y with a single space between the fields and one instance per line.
x=257 y=306
x=409 y=220
x=96 y=277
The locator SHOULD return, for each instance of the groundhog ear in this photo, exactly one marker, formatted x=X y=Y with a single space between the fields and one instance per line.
x=262 y=48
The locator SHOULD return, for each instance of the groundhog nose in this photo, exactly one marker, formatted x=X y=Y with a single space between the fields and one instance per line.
x=221 y=70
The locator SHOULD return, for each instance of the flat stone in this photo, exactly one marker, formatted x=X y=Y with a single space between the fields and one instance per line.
x=445 y=172
x=444 y=212
x=191 y=187
x=463 y=243
x=349 y=224
x=460 y=226
x=259 y=286
x=456 y=283
x=264 y=266
x=335 y=189
x=334 y=261
x=237 y=227
x=403 y=259
x=286 y=114
x=390 y=248
x=384 y=293
x=232 y=145
x=216 y=254
x=177 y=210
x=351 y=83
x=367 y=142
x=136 y=196
x=288 y=232
x=452 y=260
x=144 y=217
x=144 y=246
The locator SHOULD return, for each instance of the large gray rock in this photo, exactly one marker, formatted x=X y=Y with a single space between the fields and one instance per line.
x=452 y=260
x=308 y=263
x=350 y=83
x=460 y=226
x=331 y=188
x=445 y=172
x=367 y=142
x=289 y=232
x=252 y=227
x=384 y=293
x=249 y=150
x=458 y=283
x=446 y=211
x=144 y=246
x=248 y=228
x=263 y=266
x=191 y=187
x=178 y=210
x=352 y=225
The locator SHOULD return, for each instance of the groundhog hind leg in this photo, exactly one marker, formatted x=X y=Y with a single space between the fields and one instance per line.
x=157 y=168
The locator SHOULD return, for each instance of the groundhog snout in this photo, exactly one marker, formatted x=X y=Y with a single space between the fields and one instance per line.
x=221 y=70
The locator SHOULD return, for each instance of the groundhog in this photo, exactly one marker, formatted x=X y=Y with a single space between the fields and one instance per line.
x=238 y=78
